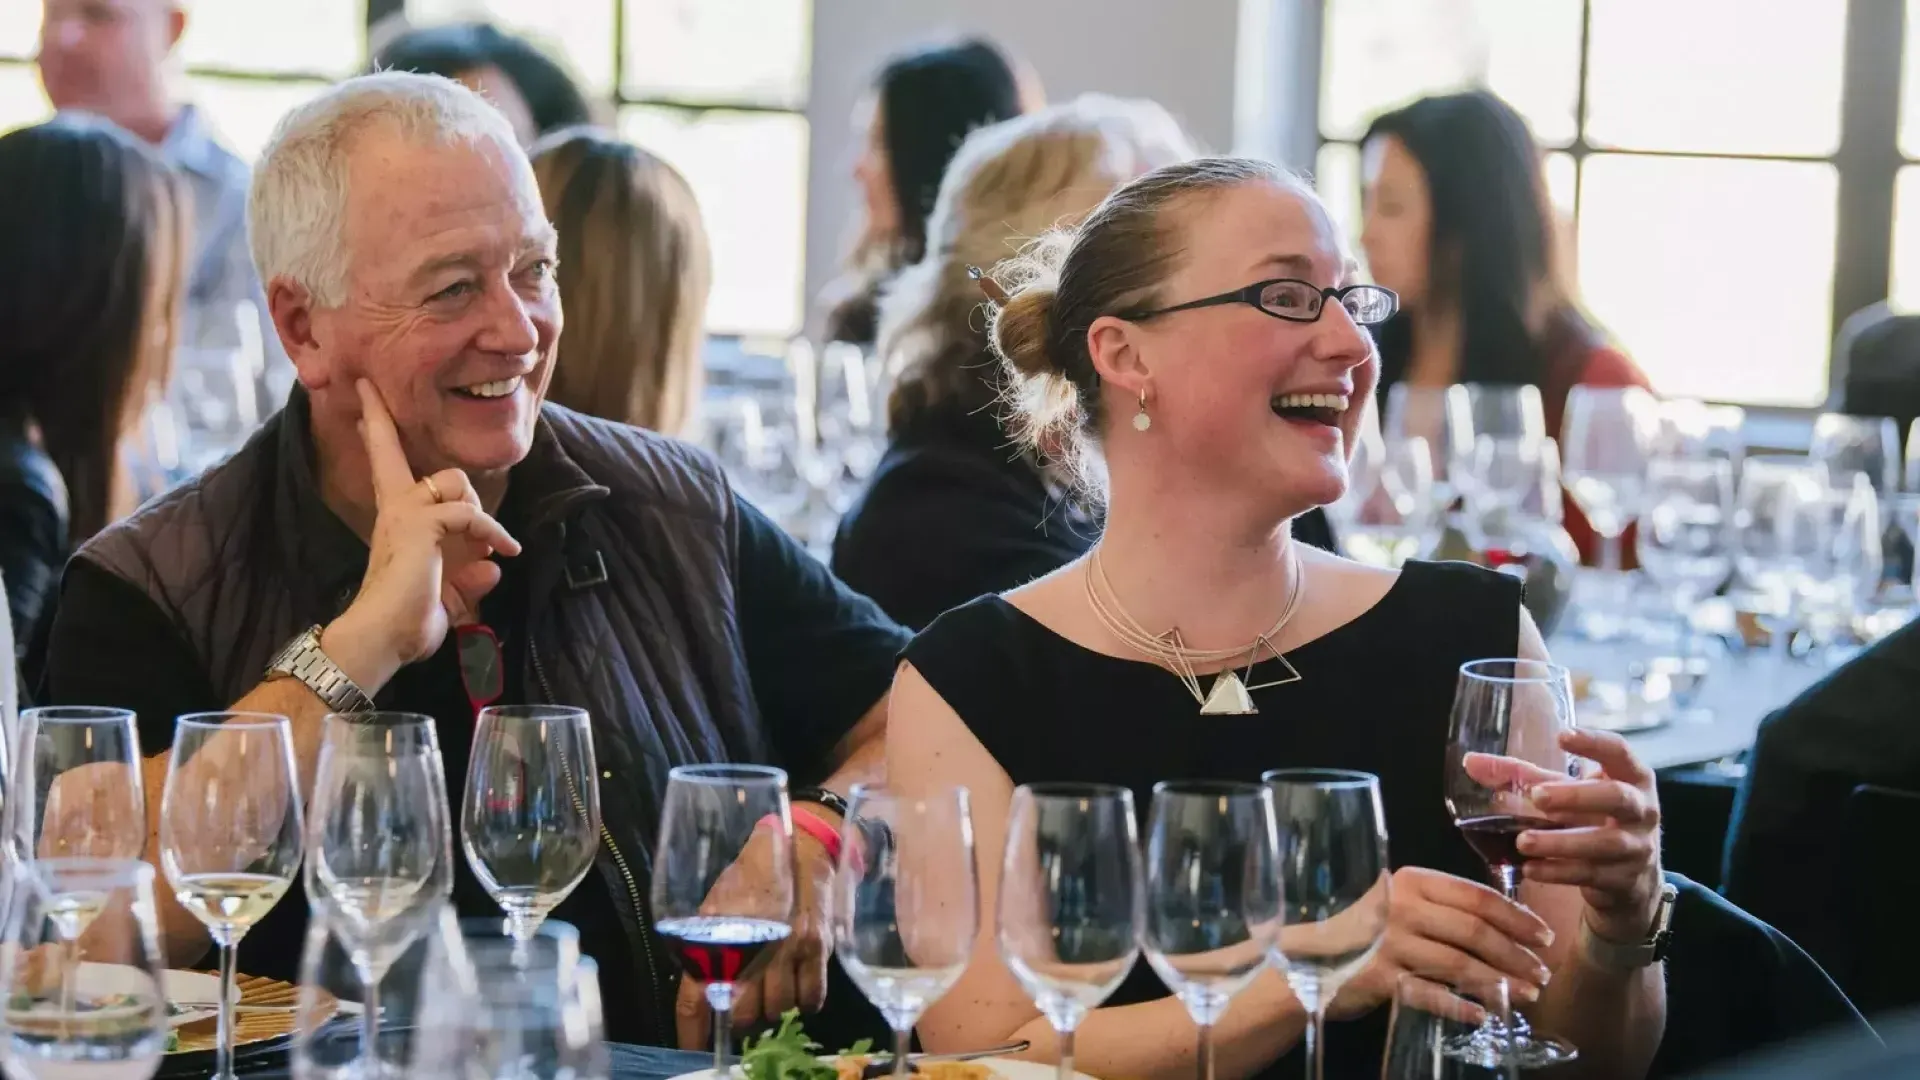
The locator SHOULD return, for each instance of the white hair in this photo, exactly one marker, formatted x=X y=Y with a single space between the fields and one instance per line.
x=297 y=209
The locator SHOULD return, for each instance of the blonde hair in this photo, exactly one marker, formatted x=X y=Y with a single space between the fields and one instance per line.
x=1008 y=182
x=634 y=274
x=1115 y=262
x=297 y=208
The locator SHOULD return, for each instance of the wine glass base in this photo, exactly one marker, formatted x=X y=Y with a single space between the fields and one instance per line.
x=1491 y=1049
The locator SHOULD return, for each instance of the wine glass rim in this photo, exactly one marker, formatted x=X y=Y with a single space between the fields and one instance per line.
x=231 y=719
x=1324 y=778
x=76 y=714
x=534 y=712
x=392 y=718
x=717 y=774
x=490 y=926
x=1209 y=787
x=91 y=867
x=1538 y=671
x=1073 y=789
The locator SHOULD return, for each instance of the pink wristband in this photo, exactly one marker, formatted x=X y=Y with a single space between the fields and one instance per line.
x=805 y=822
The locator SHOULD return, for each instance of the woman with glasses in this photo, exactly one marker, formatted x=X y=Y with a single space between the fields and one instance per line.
x=1197 y=352
x=1459 y=226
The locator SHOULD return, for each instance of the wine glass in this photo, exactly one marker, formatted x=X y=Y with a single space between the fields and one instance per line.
x=1504 y=733
x=1213 y=895
x=1443 y=417
x=1845 y=573
x=1858 y=444
x=1606 y=438
x=530 y=818
x=424 y=1000
x=1071 y=904
x=1430 y=1032
x=906 y=908
x=1510 y=484
x=231 y=834
x=92 y=1006
x=1781 y=524
x=1335 y=885
x=380 y=855
x=80 y=788
x=519 y=1009
x=714 y=816
x=1389 y=512
x=1507 y=411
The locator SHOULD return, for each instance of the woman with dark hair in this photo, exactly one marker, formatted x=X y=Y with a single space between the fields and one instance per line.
x=1459 y=225
x=94 y=227
x=918 y=113
x=523 y=82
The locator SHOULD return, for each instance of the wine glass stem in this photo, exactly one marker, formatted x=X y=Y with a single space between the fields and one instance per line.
x=1610 y=559
x=1065 y=1072
x=223 y=1056
x=902 y=1042
x=1316 y=1038
x=720 y=1000
x=370 y=1025
x=1509 y=882
x=1204 y=1068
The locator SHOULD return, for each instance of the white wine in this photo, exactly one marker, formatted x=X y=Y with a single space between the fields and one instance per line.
x=72 y=912
x=230 y=901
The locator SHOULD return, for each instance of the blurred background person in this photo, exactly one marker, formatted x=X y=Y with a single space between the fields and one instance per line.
x=94 y=231
x=919 y=111
x=955 y=509
x=635 y=271
x=1457 y=222
x=110 y=58
x=534 y=91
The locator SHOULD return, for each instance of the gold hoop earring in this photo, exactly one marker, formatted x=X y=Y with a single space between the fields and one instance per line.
x=1141 y=421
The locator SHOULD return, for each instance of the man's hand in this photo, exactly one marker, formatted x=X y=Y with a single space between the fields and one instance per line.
x=797 y=975
x=429 y=565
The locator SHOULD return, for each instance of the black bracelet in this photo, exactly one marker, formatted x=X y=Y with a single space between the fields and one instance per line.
x=822 y=797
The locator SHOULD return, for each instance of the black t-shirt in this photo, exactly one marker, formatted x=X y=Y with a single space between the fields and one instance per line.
x=818 y=656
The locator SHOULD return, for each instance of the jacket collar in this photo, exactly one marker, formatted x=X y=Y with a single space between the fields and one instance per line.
x=325 y=560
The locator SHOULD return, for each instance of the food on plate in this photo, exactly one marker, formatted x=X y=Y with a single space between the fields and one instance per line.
x=786 y=1053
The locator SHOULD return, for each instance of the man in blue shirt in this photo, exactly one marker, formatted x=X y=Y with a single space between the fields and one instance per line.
x=109 y=57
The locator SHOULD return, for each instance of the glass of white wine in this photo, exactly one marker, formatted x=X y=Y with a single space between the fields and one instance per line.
x=530 y=819
x=231 y=833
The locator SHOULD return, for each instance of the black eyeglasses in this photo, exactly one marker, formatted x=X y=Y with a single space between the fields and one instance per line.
x=1296 y=301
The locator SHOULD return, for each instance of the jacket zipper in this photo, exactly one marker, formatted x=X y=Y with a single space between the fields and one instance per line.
x=619 y=861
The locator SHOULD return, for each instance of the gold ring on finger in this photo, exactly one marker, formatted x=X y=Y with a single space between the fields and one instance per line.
x=433 y=489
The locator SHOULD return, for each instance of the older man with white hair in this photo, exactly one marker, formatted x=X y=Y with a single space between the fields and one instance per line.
x=417 y=530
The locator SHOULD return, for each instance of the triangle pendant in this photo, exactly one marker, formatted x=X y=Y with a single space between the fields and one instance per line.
x=1228 y=697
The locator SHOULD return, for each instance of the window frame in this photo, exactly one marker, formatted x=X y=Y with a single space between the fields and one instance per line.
x=1867 y=163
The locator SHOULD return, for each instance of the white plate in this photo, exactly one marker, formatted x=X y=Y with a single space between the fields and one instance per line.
x=1007 y=1068
x=102 y=980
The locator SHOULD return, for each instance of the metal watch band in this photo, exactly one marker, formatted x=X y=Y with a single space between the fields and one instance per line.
x=1613 y=956
x=303 y=659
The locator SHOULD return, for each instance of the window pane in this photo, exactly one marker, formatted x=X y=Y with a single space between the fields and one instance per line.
x=1378 y=54
x=19 y=28
x=1906 y=241
x=578 y=31
x=1716 y=276
x=748 y=52
x=1562 y=177
x=244 y=112
x=320 y=37
x=1910 y=85
x=1336 y=176
x=21 y=101
x=749 y=171
x=1719 y=76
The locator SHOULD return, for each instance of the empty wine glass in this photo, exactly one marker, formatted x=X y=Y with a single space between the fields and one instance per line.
x=1389 y=512
x=1443 y=417
x=1335 y=886
x=906 y=908
x=1430 y=1032
x=80 y=788
x=522 y=1012
x=87 y=1006
x=380 y=853
x=530 y=817
x=1782 y=524
x=1869 y=445
x=1844 y=575
x=1511 y=486
x=1071 y=904
x=1606 y=439
x=1503 y=734
x=713 y=817
x=424 y=1002
x=1213 y=895
x=231 y=834
x=1506 y=411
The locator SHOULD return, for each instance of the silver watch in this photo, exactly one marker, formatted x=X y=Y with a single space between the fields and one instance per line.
x=303 y=659
x=1613 y=956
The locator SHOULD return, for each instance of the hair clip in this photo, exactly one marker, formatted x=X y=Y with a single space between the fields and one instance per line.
x=988 y=286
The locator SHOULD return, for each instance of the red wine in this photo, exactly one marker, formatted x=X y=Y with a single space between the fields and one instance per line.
x=723 y=948
x=1495 y=837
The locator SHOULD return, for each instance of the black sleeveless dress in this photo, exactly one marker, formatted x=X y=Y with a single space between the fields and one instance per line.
x=1374 y=695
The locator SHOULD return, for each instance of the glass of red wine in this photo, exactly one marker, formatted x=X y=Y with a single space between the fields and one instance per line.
x=1503 y=738
x=723 y=879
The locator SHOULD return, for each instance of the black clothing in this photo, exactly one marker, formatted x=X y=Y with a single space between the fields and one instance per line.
x=1374 y=695
x=33 y=533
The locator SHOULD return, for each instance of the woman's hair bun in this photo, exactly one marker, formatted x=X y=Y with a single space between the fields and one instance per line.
x=1022 y=330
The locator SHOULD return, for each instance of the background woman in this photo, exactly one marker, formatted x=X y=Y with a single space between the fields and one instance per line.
x=954 y=511
x=635 y=271
x=1458 y=223
x=921 y=108
x=530 y=88
x=94 y=226
x=1222 y=412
